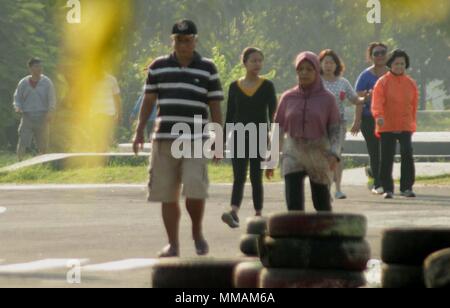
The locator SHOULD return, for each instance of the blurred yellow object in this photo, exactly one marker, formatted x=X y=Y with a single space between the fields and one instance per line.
x=90 y=49
x=416 y=10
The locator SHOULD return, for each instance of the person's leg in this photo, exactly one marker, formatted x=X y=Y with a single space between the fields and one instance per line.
x=164 y=186
x=240 y=169
x=195 y=189
x=171 y=216
x=373 y=147
x=110 y=133
x=338 y=180
x=25 y=136
x=340 y=167
x=295 y=191
x=256 y=177
x=408 y=169
x=42 y=134
x=388 y=147
x=321 y=197
x=196 y=210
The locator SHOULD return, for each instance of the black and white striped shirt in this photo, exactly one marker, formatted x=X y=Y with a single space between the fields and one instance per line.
x=183 y=93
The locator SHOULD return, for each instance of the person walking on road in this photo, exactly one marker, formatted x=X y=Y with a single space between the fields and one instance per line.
x=395 y=103
x=309 y=122
x=251 y=100
x=184 y=85
x=332 y=70
x=364 y=120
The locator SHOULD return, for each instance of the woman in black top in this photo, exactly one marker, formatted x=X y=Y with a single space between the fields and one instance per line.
x=251 y=100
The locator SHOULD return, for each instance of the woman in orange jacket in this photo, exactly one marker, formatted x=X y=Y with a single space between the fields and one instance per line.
x=394 y=107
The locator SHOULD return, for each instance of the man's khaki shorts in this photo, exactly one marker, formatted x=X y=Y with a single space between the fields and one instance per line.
x=168 y=175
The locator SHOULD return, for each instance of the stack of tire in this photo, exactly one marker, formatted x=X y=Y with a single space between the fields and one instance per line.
x=437 y=270
x=256 y=227
x=246 y=274
x=413 y=258
x=322 y=250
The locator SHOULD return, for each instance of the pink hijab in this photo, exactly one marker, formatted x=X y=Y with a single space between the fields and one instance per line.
x=307 y=113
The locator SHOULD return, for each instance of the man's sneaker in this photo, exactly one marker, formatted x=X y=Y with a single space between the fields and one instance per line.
x=340 y=195
x=378 y=191
x=388 y=195
x=231 y=219
x=169 y=252
x=201 y=247
x=408 y=194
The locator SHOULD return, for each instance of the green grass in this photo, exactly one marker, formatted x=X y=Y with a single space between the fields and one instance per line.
x=128 y=173
x=7 y=159
x=116 y=174
x=434 y=180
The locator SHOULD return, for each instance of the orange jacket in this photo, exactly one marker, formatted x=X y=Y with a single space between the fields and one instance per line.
x=395 y=98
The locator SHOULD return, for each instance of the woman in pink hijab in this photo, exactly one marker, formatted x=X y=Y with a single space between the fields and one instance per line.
x=309 y=129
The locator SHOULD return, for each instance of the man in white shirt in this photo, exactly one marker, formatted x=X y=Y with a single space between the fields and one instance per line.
x=105 y=112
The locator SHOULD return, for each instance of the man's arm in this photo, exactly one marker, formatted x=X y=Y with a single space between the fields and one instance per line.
x=51 y=98
x=146 y=109
x=18 y=95
x=216 y=117
x=216 y=112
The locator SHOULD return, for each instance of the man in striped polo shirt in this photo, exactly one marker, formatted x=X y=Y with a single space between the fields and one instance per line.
x=184 y=86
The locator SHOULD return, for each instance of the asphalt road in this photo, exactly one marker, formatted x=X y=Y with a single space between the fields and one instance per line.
x=116 y=235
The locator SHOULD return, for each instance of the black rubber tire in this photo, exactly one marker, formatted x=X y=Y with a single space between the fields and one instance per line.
x=246 y=275
x=320 y=225
x=402 y=277
x=257 y=225
x=290 y=278
x=349 y=255
x=412 y=246
x=194 y=273
x=437 y=270
x=249 y=245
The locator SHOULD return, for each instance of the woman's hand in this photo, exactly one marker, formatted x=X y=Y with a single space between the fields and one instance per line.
x=380 y=122
x=269 y=174
x=356 y=128
x=333 y=162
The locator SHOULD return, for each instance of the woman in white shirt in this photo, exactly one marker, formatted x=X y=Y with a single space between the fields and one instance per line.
x=332 y=70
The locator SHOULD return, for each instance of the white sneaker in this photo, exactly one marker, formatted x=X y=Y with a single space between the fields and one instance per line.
x=340 y=195
x=378 y=191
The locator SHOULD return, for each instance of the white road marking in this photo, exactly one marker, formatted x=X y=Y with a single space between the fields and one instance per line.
x=122 y=265
x=69 y=187
x=2 y=210
x=41 y=265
